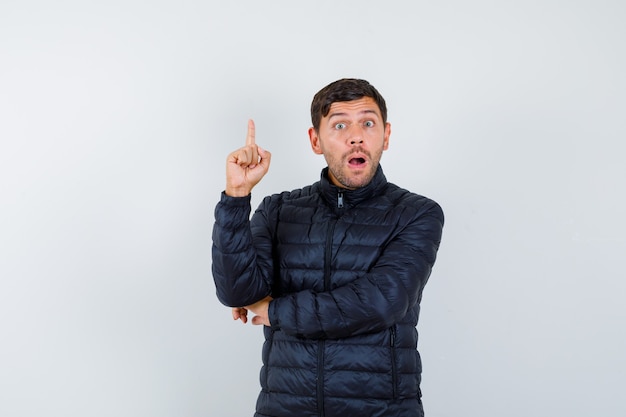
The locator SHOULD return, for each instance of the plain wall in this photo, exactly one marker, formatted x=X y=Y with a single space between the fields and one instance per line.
x=115 y=121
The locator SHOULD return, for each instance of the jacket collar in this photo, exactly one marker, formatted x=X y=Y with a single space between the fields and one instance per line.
x=351 y=198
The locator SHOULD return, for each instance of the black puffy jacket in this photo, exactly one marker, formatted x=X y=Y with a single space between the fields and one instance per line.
x=346 y=269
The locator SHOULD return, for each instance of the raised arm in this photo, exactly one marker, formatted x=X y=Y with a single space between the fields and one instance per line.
x=241 y=277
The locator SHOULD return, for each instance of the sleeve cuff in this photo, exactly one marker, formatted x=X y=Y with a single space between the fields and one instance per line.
x=235 y=201
x=272 y=314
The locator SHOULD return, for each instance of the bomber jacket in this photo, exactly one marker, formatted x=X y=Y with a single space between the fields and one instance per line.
x=346 y=270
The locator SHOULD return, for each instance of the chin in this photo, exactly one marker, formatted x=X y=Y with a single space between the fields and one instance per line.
x=358 y=182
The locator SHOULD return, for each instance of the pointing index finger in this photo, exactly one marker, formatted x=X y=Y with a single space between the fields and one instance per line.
x=250 y=140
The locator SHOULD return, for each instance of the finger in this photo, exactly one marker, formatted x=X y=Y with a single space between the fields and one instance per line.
x=254 y=157
x=258 y=321
x=264 y=157
x=240 y=314
x=244 y=157
x=248 y=155
x=250 y=138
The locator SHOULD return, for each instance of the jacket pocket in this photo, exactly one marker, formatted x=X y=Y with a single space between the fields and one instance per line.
x=269 y=343
x=392 y=355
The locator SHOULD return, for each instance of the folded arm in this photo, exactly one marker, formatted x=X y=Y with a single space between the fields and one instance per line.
x=373 y=301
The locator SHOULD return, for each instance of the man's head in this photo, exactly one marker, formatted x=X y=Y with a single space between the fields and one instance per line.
x=350 y=129
x=346 y=89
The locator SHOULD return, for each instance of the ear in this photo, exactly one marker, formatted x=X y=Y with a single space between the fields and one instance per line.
x=315 y=141
x=386 y=136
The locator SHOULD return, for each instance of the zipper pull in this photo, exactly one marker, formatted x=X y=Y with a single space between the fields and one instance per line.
x=340 y=200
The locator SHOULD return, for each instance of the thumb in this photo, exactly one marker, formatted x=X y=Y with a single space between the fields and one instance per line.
x=266 y=157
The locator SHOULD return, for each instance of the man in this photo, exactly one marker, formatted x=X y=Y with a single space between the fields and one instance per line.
x=334 y=271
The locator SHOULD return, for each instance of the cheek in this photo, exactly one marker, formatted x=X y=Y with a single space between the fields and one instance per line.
x=333 y=135
x=331 y=140
x=377 y=139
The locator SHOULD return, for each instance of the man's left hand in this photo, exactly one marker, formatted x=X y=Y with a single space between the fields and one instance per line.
x=259 y=309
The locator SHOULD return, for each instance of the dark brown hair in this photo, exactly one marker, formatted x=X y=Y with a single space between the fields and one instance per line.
x=345 y=89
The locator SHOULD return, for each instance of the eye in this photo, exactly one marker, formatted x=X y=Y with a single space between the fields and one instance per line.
x=340 y=126
x=369 y=123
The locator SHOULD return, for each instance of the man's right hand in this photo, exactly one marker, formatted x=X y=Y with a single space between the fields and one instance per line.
x=246 y=166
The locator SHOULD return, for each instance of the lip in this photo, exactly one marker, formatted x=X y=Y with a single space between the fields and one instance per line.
x=354 y=156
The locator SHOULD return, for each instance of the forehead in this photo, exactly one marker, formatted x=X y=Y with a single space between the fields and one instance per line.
x=354 y=107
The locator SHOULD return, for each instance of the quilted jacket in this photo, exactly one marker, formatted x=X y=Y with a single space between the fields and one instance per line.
x=346 y=269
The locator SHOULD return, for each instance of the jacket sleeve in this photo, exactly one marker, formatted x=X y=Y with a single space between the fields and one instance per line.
x=242 y=264
x=377 y=299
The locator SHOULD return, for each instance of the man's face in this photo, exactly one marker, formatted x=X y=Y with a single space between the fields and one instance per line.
x=352 y=138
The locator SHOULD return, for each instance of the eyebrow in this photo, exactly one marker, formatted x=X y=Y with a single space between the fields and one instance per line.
x=368 y=111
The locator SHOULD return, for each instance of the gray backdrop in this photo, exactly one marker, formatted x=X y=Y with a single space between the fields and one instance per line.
x=115 y=120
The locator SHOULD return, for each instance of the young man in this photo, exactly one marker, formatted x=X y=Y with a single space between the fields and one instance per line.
x=334 y=271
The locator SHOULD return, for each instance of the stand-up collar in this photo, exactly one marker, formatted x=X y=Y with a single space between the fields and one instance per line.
x=351 y=198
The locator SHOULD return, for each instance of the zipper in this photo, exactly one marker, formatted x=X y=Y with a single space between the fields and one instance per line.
x=340 y=199
x=394 y=371
x=328 y=255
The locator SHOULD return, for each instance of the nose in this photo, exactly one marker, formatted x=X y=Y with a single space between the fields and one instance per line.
x=356 y=136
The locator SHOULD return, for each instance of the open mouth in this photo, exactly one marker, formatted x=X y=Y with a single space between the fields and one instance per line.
x=356 y=162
